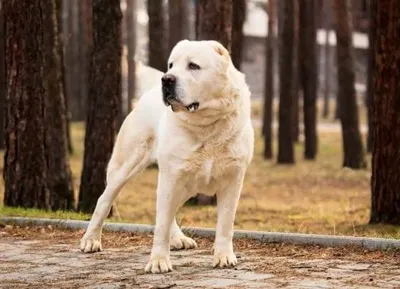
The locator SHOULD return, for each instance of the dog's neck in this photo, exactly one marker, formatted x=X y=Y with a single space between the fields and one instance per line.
x=221 y=115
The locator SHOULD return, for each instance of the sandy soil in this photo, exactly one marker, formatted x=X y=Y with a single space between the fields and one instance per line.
x=45 y=257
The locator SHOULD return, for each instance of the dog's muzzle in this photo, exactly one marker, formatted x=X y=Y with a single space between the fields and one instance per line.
x=169 y=94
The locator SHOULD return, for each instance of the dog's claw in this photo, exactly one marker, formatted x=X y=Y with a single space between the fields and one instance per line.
x=224 y=260
x=90 y=245
x=158 y=265
x=183 y=242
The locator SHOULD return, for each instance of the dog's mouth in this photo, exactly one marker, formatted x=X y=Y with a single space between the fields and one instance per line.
x=171 y=99
x=193 y=106
x=177 y=105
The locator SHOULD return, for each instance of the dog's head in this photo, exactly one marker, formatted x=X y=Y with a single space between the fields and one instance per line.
x=197 y=74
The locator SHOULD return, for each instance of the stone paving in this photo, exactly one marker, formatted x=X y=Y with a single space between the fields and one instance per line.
x=35 y=264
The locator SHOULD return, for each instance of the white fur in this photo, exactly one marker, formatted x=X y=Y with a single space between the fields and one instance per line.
x=146 y=78
x=202 y=151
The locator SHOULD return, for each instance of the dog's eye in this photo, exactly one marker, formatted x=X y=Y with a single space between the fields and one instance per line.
x=170 y=65
x=193 y=66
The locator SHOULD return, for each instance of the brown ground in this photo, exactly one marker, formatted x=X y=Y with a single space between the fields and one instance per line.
x=261 y=265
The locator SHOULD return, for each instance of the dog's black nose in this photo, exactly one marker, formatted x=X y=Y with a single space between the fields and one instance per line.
x=168 y=80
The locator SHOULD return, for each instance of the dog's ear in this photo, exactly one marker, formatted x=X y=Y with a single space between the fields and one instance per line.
x=182 y=41
x=219 y=48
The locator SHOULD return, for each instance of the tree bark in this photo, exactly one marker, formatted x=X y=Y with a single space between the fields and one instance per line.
x=269 y=81
x=327 y=56
x=25 y=168
x=354 y=156
x=178 y=18
x=131 y=46
x=296 y=74
x=157 y=41
x=58 y=170
x=286 y=31
x=214 y=21
x=61 y=51
x=308 y=66
x=84 y=51
x=197 y=18
x=337 y=108
x=385 y=181
x=238 y=18
x=370 y=71
x=104 y=102
x=2 y=77
x=74 y=44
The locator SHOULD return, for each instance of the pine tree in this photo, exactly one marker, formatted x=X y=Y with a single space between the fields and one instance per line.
x=385 y=181
x=104 y=102
x=354 y=156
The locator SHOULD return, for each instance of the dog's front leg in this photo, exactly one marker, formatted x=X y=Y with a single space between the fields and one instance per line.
x=227 y=201
x=167 y=205
x=91 y=241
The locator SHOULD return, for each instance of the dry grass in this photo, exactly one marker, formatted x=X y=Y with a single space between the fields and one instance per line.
x=257 y=109
x=310 y=197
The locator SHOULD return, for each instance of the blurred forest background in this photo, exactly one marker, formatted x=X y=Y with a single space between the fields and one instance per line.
x=325 y=82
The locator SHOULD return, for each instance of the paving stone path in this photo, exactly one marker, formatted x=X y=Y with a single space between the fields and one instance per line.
x=35 y=264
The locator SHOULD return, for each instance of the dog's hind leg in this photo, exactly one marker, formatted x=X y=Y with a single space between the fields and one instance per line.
x=118 y=173
x=178 y=240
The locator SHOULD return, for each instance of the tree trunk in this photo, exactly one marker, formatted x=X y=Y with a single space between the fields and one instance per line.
x=337 y=108
x=84 y=51
x=61 y=35
x=352 y=143
x=104 y=102
x=25 y=168
x=178 y=18
x=385 y=182
x=296 y=71
x=238 y=18
x=269 y=81
x=327 y=56
x=131 y=47
x=308 y=66
x=286 y=31
x=157 y=41
x=2 y=77
x=370 y=71
x=58 y=170
x=74 y=44
x=215 y=21
x=197 y=18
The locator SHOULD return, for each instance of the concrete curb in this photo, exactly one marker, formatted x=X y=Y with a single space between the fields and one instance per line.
x=268 y=237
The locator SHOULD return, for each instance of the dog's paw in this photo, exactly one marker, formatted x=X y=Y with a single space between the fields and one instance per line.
x=182 y=242
x=224 y=260
x=90 y=244
x=158 y=265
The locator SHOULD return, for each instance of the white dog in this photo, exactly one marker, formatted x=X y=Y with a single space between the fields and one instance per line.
x=198 y=124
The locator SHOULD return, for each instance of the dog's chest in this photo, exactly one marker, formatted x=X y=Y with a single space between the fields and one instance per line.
x=207 y=170
x=209 y=167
